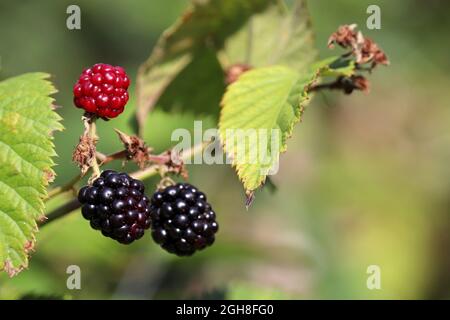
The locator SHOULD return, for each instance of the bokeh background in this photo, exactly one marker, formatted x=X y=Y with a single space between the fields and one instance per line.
x=366 y=179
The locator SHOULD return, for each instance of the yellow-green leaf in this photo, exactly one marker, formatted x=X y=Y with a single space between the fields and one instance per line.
x=202 y=27
x=280 y=34
x=258 y=114
x=27 y=121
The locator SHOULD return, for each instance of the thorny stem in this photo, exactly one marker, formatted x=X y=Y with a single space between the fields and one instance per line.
x=143 y=174
x=105 y=159
x=61 y=189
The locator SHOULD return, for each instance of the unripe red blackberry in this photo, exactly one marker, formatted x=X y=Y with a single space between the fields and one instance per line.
x=116 y=205
x=102 y=90
x=182 y=221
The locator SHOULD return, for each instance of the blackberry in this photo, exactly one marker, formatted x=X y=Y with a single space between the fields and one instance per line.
x=116 y=205
x=182 y=220
x=102 y=90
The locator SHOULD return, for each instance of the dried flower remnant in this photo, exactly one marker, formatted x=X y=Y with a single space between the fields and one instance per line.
x=355 y=82
x=175 y=163
x=364 y=49
x=346 y=84
x=233 y=73
x=136 y=149
x=345 y=37
x=370 y=52
x=84 y=153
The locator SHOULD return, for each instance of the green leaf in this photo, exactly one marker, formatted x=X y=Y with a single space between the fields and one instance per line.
x=27 y=121
x=277 y=35
x=269 y=100
x=198 y=88
x=205 y=22
x=335 y=67
x=203 y=26
x=152 y=80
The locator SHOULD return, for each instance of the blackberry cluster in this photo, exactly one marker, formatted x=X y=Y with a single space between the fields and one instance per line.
x=102 y=90
x=182 y=220
x=116 y=205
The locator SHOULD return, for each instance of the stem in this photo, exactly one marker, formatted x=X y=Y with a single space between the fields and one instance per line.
x=101 y=156
x=165 y=182
x=331 y=86
x=159 y=159
x=93 y=134
x=61 y=189
x=104 y=159
x=66 y=208
x=73 y=204
x=145 y=173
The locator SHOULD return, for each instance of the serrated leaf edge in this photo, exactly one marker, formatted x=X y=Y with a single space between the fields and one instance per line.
x=304 y=99
x=57 y=126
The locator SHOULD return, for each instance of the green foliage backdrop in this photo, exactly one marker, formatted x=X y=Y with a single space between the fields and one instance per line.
x=365 y=180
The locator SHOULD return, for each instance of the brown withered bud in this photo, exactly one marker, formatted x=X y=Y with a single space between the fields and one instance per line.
x=137 y=151
x=345 y=37
x=364 y=49
x=370 y=52
x=233 y=73
x=346 y=84
x=355 y=82
x=174 y=163
x=361 y=83
x=84 y=153
x=135 y=148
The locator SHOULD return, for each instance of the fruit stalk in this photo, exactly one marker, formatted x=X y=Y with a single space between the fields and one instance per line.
x=73 y=204
x=92 y=132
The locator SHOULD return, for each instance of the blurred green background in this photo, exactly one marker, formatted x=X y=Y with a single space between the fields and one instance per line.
x=365 y=181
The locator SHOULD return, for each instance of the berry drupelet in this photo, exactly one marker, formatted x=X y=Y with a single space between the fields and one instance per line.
x=102 y=90
x=182 y=221
x=116 y=205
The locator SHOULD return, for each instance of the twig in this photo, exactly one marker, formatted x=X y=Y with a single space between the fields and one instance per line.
x=93 y=134
x=65 y=209
x=143 y=174
x=61 y=189
x=335 y=85
x=346 y=84
x=101 y=156
x=104 y=159
x=160 y=158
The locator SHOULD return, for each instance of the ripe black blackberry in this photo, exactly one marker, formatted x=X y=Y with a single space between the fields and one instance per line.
x=182 y=221
x=116 y=205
